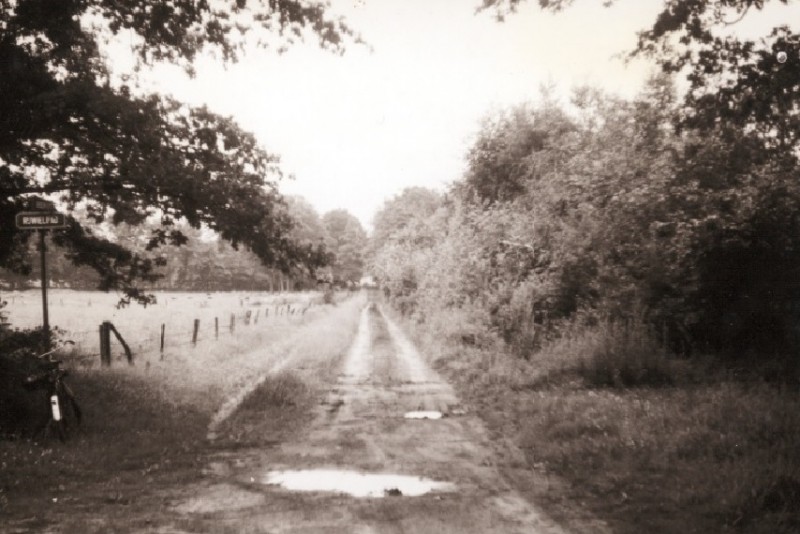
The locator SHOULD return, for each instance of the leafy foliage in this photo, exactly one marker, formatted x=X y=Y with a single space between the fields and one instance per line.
x=346 y=240
x=68 y=128
x=411 y=205
x=751 y=85
x=615 y=211
x=684 y=208
x=204 y=262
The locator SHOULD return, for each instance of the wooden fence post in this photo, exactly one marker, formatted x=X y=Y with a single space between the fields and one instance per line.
x=216 y=327
x=255 y=320
x=233 y=322
x=247 y=315
x=105 y=344
x=163 y=328
x=194 y=332
x=125 y=346
x=106 y=328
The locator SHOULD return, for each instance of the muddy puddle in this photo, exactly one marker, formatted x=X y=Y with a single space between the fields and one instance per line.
x=355 y=483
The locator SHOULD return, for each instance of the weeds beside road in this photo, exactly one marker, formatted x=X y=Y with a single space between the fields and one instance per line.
x=694 y=451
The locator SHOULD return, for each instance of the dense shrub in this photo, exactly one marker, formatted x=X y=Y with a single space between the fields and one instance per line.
x=599 y=210
x=21 y=410
x=624 y=354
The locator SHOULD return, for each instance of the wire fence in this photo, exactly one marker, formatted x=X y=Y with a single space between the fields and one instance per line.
x=184 y=330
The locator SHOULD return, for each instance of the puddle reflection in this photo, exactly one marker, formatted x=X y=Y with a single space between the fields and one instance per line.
x=355 y=483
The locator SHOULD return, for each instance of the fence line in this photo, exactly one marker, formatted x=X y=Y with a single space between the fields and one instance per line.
x=148 y=340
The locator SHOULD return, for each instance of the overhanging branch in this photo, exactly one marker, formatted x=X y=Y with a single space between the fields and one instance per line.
x=17 y=191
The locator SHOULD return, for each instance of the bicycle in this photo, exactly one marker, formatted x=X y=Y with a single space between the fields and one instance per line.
x=65 y=413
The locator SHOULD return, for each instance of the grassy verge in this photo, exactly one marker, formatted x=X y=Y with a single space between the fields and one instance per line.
x=133 y=438
x=145 y=427
x=272 y=411
x=282 y=402
x=692 y=459
x=645 y=443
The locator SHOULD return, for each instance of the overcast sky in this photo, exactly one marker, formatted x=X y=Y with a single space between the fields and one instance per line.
x=356 y=129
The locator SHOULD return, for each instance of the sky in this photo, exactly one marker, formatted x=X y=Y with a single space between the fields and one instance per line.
x=356 y=129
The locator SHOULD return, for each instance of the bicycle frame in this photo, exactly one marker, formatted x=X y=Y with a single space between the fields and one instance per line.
x=63 y=407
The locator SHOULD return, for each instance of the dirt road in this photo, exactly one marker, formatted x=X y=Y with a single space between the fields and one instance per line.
x=389 y=450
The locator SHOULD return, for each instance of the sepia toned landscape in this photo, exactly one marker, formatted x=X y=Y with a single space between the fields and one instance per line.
x=372 y=266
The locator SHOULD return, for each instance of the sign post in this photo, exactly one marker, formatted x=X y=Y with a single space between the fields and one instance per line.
x=44 y=218
x=45 y=314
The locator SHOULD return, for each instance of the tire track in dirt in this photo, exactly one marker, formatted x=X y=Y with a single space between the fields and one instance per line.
x=278 y=357
x=360 y=427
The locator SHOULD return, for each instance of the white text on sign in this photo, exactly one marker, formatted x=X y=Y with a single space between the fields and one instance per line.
x=40 y=220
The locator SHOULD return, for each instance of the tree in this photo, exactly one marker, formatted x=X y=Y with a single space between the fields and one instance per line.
x=309 y=230
x=578 y=238
x=69 y=129
x=741 y=123
x=308 y=227
x=347 y=241
x=750 y=85
x=413 y=204
x=506 y=153
x=726 y=223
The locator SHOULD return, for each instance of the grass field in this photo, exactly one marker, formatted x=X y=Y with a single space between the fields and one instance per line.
x=79 y=314
x=146 y=425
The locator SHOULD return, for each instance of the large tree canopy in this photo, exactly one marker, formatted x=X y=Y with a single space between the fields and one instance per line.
x=716 y=190
x=750 y=85
x=69 y=128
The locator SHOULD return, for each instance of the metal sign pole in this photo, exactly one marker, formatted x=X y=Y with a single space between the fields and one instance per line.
x=43 y=217
x=45 y=317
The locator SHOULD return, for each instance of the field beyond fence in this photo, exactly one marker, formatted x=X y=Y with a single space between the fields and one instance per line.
x=177 y=320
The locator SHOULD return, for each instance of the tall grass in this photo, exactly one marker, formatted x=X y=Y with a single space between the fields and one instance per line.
x=648 y=442
x=703 y=457
x=318 y=346
x=614 y=354
x=274 y=403
x=205 y=374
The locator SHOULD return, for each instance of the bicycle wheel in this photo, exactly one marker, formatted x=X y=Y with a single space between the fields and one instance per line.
x=75 y=413
x=61 y=430
x=70 y=415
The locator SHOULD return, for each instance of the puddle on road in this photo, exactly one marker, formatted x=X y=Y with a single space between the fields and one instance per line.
x=423 y=415
x=355 y=483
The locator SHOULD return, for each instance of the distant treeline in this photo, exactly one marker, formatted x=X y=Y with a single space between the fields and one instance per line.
x=206 y=263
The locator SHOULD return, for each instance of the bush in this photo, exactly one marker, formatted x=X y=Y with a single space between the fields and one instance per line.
x=609 y=353
x=627 y=354
x=21 y=410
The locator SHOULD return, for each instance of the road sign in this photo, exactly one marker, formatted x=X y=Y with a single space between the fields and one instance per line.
x=46 y=218
x=38 y=220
